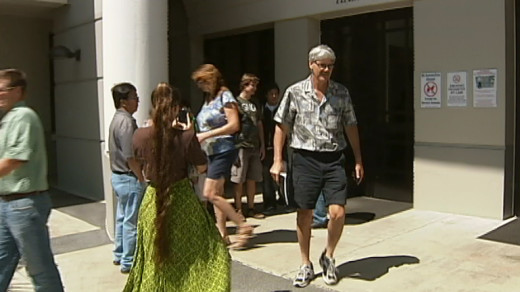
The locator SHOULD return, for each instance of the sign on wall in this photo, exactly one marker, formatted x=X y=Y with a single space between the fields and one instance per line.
x=457 y=89
x=345 y=1
x=485 y=88
x=431 y=90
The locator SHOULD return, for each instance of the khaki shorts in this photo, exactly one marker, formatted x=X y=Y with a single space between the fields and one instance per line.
x=249 y=166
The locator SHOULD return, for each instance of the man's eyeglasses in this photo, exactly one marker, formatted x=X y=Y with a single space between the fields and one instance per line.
x=325 y=66
x=7 y=89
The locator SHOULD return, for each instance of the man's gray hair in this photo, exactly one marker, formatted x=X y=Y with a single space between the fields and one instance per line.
x=321 y=52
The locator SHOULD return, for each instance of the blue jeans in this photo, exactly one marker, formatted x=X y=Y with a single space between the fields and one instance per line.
x=320 y=211
x=23 y=231
x=129 y=192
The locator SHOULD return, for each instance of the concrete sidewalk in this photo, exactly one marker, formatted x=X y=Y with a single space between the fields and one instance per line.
x=410 y=250
x=386 y=246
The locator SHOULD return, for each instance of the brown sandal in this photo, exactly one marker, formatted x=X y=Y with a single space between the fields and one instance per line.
x=226 y=240
x=245 y=232
x=241 y=215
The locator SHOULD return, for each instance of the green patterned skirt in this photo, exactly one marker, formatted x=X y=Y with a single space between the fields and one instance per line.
x=199 y=260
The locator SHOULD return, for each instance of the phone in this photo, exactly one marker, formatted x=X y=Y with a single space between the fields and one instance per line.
x=183 y=115
x=283 y=187
x=357 y=180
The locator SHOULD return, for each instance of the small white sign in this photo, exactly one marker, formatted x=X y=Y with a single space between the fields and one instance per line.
x=485 y=88
x=457 y=89
x=431 y=90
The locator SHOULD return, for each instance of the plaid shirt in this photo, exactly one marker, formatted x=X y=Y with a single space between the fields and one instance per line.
x=314 y=125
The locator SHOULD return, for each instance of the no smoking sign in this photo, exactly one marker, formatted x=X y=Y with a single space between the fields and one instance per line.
x=431 y=90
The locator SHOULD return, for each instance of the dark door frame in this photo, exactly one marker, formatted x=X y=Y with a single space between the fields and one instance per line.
x=368 y=54
x=513 y=200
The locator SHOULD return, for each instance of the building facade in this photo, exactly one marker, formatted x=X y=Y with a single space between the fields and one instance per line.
x=433 y=81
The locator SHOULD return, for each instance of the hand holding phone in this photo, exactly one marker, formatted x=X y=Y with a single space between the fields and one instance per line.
x=183 y=115
x=183 y=120
x=356 y=179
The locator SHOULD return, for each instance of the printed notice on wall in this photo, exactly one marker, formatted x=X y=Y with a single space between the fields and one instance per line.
x=431 y=90
x=457 y=89
x=485 y=88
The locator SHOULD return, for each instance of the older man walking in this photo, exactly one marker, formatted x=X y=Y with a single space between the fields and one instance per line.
x=316 y=113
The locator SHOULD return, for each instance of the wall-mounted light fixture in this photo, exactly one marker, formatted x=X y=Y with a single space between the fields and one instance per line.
x=62 y=52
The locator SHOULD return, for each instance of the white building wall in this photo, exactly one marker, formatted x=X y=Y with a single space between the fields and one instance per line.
x=24 y=44
x=77 y=100
x=292 y=42
x=459 y=152
x=239 y=14
x=296 y=25
x=135 y=50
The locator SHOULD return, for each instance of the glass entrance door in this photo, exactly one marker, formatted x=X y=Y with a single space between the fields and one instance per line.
x=375 y=62
x=235 y=55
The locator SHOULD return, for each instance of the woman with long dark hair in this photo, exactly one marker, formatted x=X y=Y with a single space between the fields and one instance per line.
x=178 y=246
x=218 y=120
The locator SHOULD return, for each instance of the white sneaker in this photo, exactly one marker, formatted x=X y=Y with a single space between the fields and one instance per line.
x=304 y=277
x=330 y=272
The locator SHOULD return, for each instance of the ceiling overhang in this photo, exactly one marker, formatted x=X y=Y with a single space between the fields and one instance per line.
x=30 y=8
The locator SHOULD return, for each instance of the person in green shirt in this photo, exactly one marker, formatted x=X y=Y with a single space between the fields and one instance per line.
x=25 y=204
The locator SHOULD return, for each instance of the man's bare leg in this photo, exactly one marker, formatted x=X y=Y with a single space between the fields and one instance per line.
x=303 y=230
x=239 y=190
x=335 y=227
x=251 y=191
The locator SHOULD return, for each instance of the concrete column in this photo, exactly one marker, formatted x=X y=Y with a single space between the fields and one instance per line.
x=135 y=50
x=292 y=41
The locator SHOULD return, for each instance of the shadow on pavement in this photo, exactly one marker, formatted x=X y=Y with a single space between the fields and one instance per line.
x=79 y=241
x=62 y=199
x=371 y=268
x=358 y=218
x=507 y=233
x=249 y=279
x=88 y=211
x=275 y=236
